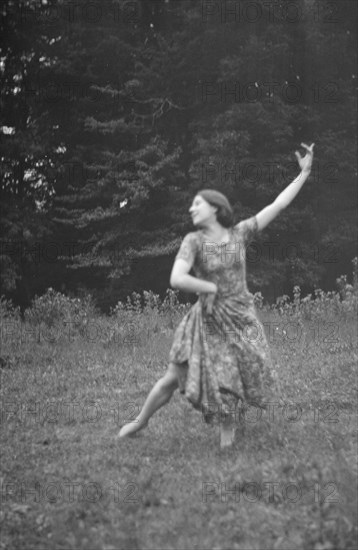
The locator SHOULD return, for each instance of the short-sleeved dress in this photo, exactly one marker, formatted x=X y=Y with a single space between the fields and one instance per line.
x=222 y=357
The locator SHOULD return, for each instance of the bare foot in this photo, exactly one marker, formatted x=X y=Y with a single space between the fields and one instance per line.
x=227 y=436
x=226 y=444
x=130 y=429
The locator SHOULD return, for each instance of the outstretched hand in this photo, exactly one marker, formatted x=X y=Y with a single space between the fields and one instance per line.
x=306 y=161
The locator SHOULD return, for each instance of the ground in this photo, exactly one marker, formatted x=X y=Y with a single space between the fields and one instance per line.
x=289 y=482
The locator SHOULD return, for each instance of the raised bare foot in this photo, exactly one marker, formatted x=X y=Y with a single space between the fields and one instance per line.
x=130 y=429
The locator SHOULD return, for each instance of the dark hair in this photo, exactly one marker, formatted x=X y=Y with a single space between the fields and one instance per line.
x=224 y=214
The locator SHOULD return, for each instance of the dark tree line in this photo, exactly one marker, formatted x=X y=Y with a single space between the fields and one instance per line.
x=115 y=113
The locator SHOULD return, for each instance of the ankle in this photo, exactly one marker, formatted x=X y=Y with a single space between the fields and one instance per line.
x=140 y=421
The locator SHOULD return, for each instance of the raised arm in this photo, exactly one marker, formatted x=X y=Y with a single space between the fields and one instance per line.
x=269 y=213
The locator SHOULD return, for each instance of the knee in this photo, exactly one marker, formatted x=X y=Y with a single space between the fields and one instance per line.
x=169 y=382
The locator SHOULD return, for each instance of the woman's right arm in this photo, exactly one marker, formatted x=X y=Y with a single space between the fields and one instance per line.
x=181 y=279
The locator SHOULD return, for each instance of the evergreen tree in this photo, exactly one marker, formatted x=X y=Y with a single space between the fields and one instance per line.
x=115 y=114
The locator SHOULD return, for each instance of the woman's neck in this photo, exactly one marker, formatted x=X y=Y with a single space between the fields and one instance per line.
x=217 y=234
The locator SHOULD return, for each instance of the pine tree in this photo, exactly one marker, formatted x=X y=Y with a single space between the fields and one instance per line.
x=115 y=114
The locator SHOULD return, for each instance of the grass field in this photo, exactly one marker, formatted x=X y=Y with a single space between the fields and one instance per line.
x=289 y=482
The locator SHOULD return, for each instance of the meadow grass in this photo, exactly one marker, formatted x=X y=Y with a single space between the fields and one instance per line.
x=289 y=481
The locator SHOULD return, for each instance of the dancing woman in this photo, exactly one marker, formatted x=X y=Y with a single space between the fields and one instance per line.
x=219 y=353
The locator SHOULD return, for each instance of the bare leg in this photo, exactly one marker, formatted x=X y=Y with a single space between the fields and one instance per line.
x=160 y=394
x=227 y=432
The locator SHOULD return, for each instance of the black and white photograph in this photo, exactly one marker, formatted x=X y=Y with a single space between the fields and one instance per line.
x=179 y=275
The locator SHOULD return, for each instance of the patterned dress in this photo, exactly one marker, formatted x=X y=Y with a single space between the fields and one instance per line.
x=222 y=357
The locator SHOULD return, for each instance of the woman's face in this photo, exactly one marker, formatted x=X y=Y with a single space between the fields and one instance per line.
x=202 y=212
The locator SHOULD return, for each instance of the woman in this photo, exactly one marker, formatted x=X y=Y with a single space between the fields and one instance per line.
x=219 y=353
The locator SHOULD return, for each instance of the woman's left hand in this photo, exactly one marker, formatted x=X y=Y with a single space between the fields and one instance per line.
x=306 y=161
x=207 y=300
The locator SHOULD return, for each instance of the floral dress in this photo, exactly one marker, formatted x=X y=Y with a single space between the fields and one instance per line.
x=222 y=357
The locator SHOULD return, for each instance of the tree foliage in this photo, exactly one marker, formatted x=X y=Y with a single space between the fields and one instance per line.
x=114 y=114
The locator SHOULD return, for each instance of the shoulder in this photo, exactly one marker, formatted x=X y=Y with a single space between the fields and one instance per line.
x=248 y=222
x=189 y=245
x=192 y=237
x=193 y=234
x=247 y=228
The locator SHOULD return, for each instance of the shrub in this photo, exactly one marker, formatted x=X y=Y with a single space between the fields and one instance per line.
x=8 y=311
x=342 y=302
x=54 y=307
x=148 y=314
